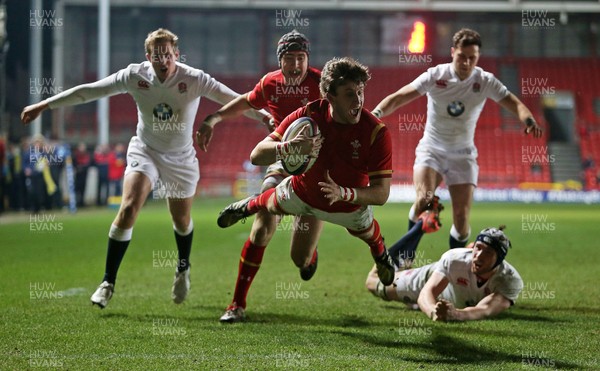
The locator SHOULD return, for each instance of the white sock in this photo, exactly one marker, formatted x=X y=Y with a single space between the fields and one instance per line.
x=454 y=233
x=119 y=234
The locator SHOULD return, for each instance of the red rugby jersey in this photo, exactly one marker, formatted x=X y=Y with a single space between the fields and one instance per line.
x=353 y=154
x=281 y=99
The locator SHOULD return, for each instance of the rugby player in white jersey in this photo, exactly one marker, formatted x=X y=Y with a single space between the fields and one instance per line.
x=167 y=94
x=465 y=284
x=456 y=93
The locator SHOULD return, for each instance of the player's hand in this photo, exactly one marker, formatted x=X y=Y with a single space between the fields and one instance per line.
x=331 y=189
x=532 y=127
x=441 y=310
x=269 y=123
x=305 y=145
x=203 y=136
x=31 y=112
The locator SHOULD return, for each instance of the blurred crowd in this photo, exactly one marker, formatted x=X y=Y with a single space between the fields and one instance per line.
x=39 y=174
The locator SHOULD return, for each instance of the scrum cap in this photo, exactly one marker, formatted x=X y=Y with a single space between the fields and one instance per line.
x=497 y=240
x=291 y=42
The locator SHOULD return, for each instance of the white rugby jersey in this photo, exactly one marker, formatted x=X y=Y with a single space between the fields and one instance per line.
x=454 y=106
x=462 y=289
x=166 y=110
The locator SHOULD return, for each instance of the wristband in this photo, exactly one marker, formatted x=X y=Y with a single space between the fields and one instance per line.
x=348 y=194
x=377 y=113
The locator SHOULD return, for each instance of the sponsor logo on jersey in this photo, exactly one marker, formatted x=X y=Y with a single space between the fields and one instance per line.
x=462 y=281
x=182 y=87
x=142 y=84
x=356 y=145
x=441 y=83
x=162 y=111
x=476 y=87
x=456 y=108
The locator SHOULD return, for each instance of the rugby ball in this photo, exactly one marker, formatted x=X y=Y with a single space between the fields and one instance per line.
x=296 y=164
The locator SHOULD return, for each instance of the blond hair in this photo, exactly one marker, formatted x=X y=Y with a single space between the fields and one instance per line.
x=160 y=35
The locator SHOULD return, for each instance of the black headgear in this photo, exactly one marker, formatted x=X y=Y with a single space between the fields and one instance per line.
x=291 y=42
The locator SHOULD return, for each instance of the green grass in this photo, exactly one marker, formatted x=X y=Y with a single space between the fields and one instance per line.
x=333 y=323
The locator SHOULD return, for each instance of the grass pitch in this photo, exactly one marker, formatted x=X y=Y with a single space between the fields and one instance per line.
x=51 y=265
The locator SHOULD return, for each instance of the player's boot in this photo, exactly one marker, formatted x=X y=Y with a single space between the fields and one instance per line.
x=103 y=294
x=431 y=216
x=233 y=314
x=385 y=268
x=307 y=272
x=234 y=213
x=181 y=286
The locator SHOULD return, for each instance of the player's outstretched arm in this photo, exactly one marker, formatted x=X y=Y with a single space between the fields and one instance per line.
x=77 y=95
x=222 y=94
x=396 y=100
x=514 y=105
x=489 y=306
x=233 y=109
x=427 y=300
x=376 y=193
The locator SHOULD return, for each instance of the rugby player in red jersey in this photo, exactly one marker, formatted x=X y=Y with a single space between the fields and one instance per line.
x=352 y=172
x=281 y=92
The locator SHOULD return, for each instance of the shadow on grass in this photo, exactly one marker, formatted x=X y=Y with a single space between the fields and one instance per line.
x=210 y=315
x=441 y=348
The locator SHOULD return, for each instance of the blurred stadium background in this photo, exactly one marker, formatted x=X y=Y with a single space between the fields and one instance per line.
x=546 y=52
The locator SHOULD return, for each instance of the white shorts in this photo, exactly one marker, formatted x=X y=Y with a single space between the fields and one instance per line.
x=455 y=167
x=175 y=174
x=409 y=283
x=290 y=203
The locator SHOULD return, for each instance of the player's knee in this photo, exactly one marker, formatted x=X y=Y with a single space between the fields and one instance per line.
x=128 y=211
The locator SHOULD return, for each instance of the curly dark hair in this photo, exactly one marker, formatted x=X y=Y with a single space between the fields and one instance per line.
x=338 y=71
x=466 y=37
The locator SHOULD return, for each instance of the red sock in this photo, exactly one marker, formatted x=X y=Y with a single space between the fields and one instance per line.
x=376 y=243
x=260 y=202
x=250 y=260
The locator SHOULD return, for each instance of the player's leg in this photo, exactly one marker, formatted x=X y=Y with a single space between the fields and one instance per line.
x=136 y=188
x=266 y=201
x=179 y=174
x=461 y=179
x=404 y=250
x=183 y=226
x=251 y=257
x=383 y=261
x=180 y=209
x=426 y=180
x=307 y=230
x=462 y=199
